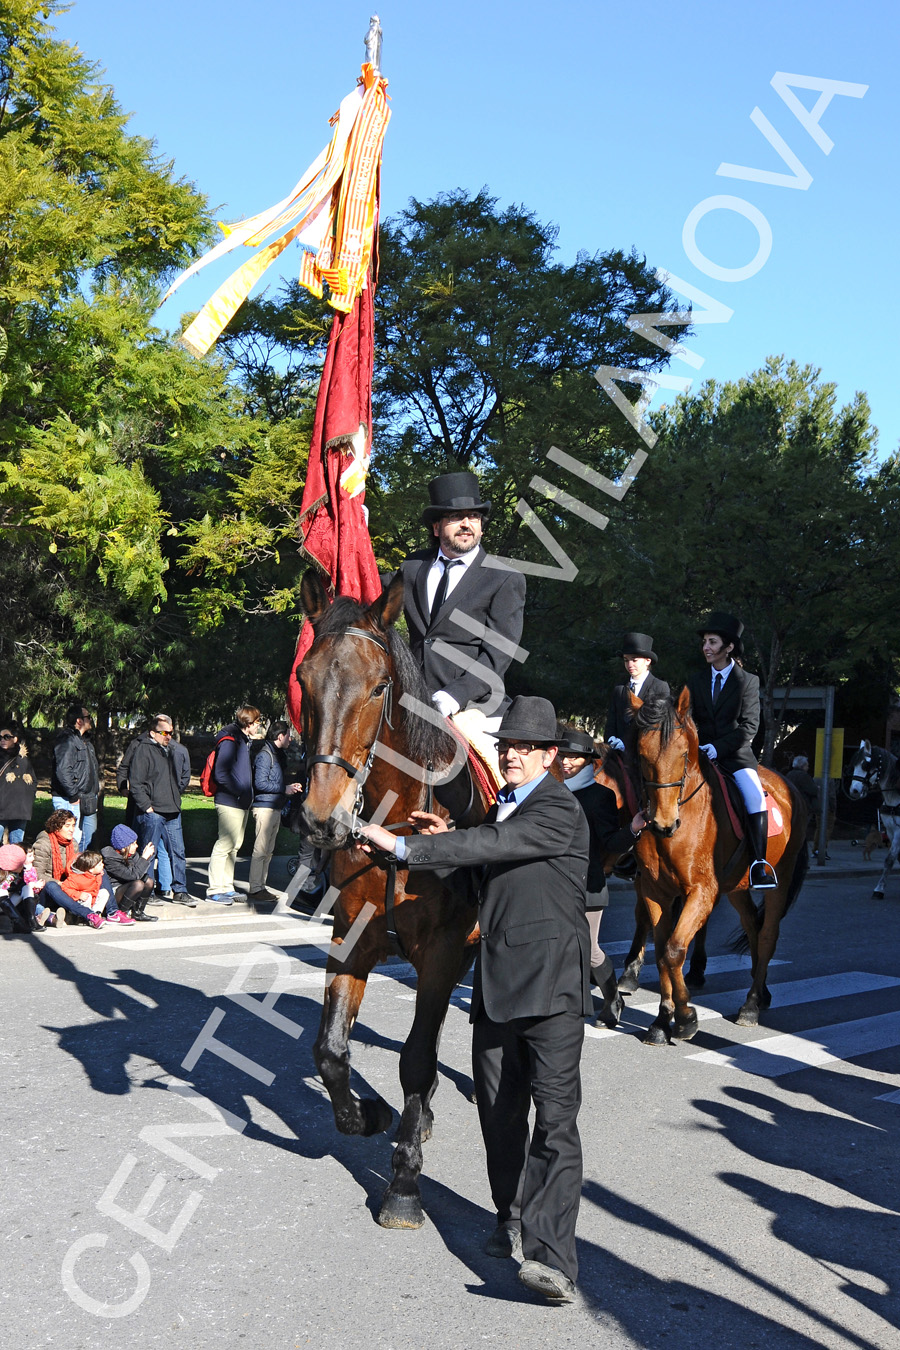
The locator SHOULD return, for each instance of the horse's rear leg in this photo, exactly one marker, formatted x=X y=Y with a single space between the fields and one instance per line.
x=878 y=893
x=352 y=1114
x=634 y=961
x=401 y=1205
x=759 y=996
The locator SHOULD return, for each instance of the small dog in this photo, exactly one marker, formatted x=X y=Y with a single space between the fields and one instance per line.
x=873 y=840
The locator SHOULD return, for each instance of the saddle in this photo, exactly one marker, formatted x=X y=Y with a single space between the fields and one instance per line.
x=734 y=803
x=457 y=794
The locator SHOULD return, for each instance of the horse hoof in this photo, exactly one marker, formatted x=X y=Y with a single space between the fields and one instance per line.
x=628 y=983
x=686 y=1030
x=376 y=1115
x=427 y=1127
x=695 y=980
x=401 y=1211
x=656 y=1036
x=878 y=895
x=748 y=1016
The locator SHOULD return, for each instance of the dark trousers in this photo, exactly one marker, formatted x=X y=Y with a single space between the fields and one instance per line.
x=515 y=1063
x=150 y=826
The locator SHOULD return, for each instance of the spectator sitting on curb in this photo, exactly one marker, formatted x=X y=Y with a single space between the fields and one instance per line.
x=233 y=776
x=18 y=881
x=159 y=771
x=75 y=774
x=18 y=784
x=55 y=856
x=270 y=794
x=130 y=870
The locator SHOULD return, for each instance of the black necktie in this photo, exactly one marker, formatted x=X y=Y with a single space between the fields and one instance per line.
x=717 y=686
x=440 y=594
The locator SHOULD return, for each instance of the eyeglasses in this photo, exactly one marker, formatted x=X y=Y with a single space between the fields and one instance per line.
x=520 y=747
x=6 y=736
x=165 y=733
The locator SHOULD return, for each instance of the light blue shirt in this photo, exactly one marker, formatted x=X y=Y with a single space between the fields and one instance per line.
x=507 y=794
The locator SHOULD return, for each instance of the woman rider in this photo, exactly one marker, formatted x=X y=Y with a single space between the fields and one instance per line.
x=725 y=706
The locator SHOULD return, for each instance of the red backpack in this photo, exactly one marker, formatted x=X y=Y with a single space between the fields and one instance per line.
x=208 y=785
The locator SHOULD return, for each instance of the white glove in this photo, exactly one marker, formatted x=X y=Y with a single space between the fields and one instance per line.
x=709 y=750
x=445 y=703
x=615 y=742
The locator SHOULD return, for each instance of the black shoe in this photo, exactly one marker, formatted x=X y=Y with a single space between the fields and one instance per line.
x=762 y=873
x=182 y=898
x=140 y=916
x=160 y=894
x=762 y=876
x=506 y=1240
x=625 y=867
x=547 y=1280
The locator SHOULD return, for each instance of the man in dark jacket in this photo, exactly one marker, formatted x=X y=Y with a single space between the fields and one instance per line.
x=638 y=655
x=463 y=663
x=531 y=991
x=75 y=774
x=159 y=770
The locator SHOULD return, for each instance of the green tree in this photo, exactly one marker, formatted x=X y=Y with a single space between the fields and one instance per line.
x=764 y=498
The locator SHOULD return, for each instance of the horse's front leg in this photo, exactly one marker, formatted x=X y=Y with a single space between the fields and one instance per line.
x=691 y=922
x=343 y=994
x=634 y=961
x=878 y=893
x=401 y=1205
x=696 y=975
x=661 y=919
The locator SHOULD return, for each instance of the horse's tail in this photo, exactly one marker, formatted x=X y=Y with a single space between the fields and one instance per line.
x=740 y=944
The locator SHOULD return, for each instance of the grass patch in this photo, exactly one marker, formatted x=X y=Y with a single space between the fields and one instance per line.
x=198 y=820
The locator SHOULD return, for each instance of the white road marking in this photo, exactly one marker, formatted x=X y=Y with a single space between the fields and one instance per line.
x=792 y=992
x=778 y=1055
x=288 y=936
x=890 y=1097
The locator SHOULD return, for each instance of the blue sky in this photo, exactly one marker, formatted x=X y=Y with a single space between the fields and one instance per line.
x=610 y=121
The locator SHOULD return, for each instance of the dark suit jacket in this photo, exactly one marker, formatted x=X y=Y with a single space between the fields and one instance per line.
x=534 y=954
x=473 y=672
x=619 y=714
x=607 y=835
x=734 y=721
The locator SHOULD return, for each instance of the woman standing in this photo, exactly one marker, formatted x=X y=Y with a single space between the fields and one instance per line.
x=18 y=784
x=233 y=776
x=270 y=794
x=577 y=753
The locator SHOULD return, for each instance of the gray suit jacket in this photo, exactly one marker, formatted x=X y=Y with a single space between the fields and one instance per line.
x=473 y=672
x=534 y=954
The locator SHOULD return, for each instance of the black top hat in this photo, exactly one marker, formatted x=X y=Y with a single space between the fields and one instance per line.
x=638 y=644
x=454 y=492
x=529 y=719
x=726 y=626
x=574 y=741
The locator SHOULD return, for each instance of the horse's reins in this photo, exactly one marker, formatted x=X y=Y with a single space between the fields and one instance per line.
x=682 y=801
x=359 y=776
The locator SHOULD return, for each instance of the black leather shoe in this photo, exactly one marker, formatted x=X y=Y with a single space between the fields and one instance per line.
x=141 y=916
x=182 y=898
x=506 y=1240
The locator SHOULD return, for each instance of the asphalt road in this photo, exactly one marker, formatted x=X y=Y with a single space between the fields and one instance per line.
x=740 y=1191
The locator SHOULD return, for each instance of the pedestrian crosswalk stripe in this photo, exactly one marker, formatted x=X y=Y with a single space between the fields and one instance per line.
x=289 y=935
x=890 y=1097
x=778 y=1055
x=789 y=993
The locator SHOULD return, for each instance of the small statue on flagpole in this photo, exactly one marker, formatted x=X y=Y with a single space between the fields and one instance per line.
x=373 y=44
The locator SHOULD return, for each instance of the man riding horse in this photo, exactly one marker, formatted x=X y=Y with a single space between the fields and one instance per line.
x=464 y=611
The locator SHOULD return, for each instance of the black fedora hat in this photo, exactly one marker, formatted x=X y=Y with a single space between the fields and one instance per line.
x=638 y=644
x=529 y=719
x=454 y=492
x=726 y=626
x=574 y=741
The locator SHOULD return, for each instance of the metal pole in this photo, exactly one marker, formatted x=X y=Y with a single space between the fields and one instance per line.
x=826 y=768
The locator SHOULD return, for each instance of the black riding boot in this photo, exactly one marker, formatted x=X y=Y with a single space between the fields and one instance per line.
x=604 y=977
x=139 y=911
x=762 y=873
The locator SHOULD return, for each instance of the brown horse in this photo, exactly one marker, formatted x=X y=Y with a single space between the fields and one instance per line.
x=375 y=747
x=613 y=772
x=691 y=851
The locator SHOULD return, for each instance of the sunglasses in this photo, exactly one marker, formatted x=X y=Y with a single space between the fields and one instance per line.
x=6 y=736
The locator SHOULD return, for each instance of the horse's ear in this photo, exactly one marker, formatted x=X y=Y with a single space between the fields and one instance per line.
x=634 y=701
x=683 y=706
x=385 y=611
x=313 y=596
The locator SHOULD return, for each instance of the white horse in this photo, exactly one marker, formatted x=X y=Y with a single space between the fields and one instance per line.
x=874 y=768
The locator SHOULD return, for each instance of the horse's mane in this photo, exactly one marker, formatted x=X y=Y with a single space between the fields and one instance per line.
x=657 y=714
x=426 y=743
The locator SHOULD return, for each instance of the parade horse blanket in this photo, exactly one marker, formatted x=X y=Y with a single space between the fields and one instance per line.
x=737 y=812
x=480 y=770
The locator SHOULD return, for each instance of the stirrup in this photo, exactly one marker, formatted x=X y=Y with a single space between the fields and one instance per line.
x=762 y=875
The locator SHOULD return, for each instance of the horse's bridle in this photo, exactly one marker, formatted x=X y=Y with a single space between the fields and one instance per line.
x=651 y=783
x=359 y=775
